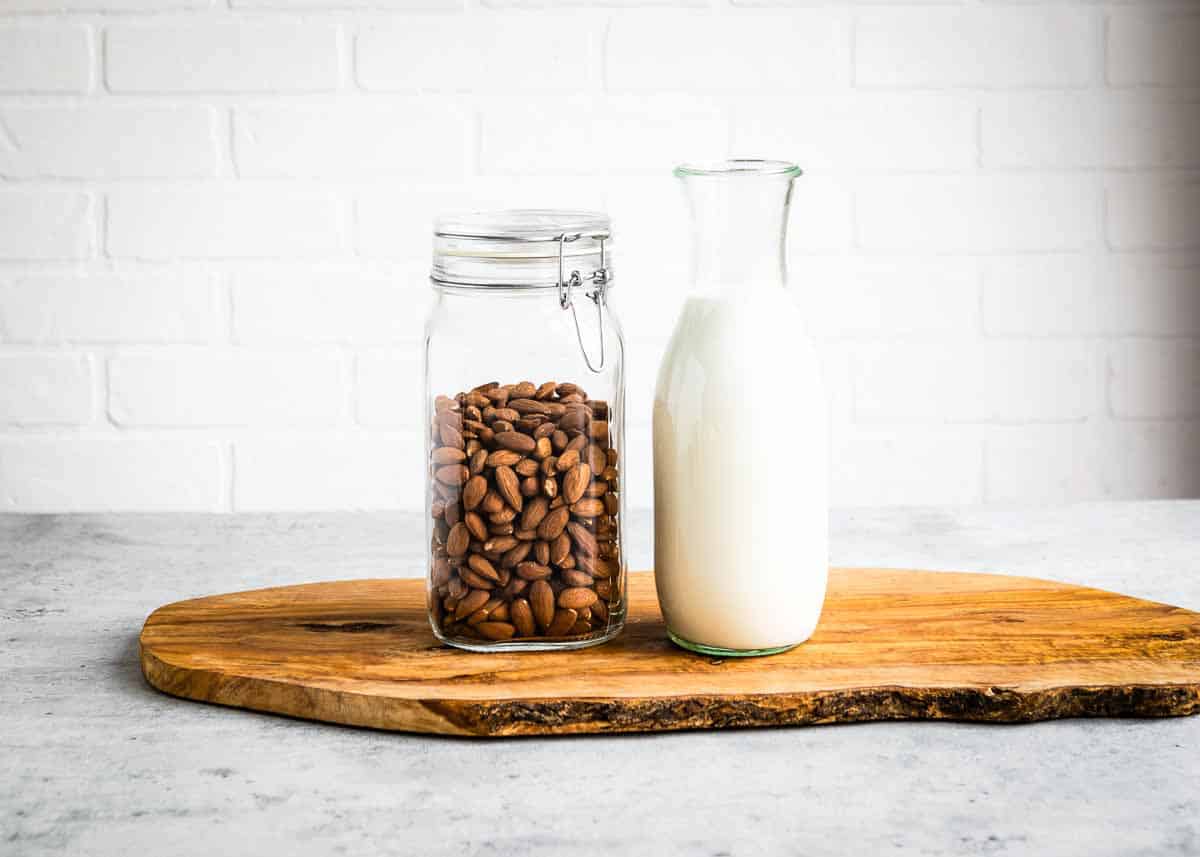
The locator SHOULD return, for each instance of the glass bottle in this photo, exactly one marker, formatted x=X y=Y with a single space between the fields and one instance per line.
x=740 y=429
x=524 y=392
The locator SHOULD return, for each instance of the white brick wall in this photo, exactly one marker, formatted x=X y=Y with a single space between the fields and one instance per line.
x=214 y=229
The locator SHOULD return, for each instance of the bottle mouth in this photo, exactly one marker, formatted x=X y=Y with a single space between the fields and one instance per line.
x=738 y=167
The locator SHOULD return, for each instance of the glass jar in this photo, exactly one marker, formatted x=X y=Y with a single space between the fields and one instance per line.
x=525 y=399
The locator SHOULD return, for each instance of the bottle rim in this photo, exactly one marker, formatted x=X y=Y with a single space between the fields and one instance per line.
x=739 y=167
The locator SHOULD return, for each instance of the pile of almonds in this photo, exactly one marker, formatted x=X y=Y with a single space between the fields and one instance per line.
x=525 y=507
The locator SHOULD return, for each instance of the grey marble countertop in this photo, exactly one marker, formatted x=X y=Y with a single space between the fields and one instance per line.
x=96 y=762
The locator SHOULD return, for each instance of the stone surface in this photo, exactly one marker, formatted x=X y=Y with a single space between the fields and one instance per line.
x=96 y=762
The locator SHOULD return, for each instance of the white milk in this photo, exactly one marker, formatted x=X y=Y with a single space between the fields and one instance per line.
x=741 y=473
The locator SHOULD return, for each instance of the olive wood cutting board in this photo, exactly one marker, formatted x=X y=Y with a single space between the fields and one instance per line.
x=890 y=645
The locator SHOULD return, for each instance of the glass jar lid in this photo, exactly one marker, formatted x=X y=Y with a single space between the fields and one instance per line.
x=521 y=248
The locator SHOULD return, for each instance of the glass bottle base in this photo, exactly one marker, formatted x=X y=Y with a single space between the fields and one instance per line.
x=721 y=652
x=529 y=644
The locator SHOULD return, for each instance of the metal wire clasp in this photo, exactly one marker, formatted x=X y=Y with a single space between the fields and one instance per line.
x=567 y=286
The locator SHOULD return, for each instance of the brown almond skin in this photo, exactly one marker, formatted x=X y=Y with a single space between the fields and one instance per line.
x=496 y=630
x=516 y=441
x=550 y=487
x=545 y=391
x=588 y=507
x=525 y=407
x=504 y=457
x=604 y=568
x=573 y=577
x=583 y=537
x=509 y=486
x=526 y=467
x=600 y=612
x=542 y=451
x=522 y=617
x=478 y=616
x=578 y=442
x=506 y=515
x=440 y=574
x=452 y=474
x=535 y=511
x=524 y=390
x=544 y=431
x=451 y=436
x=483 y=568
x=449 y=455
x=476 y=526
x=478 y=461
x=530 y=487
x=558 y=440
x=554 y=523
x=458 y=540
x=500 y=544
x=476 y=581
x=562 y=622
x=541 y=552
x=567 y=460
x=471 y=602
x=451 y=514
x=474 y=491
x=516 y=555
x=492 y=503
x=576 y=481
x=560 y=549
x=594 y=456
x=541 y=601
x=533 y=571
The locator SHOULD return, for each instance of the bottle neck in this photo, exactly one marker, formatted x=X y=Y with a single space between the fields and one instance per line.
x=739 y=229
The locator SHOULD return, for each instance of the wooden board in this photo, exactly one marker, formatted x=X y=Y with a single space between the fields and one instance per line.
x=890 y=645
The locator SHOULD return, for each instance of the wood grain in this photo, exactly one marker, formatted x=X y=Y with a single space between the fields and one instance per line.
x=891 y=645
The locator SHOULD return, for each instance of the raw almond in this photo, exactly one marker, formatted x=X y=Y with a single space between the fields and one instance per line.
x=541 y=600
x=535 y=511
x=562 y=622
x=458 y=540
x=522 y=617
x=451 y=455
x=496 y=630
x=588 y=507
x=476 y=526
x=576 y=482
x=509 y=486
x=471 y=602
x=500 y=544
x=516 y=441
x=574 y=577
x=533 y=571
x=567 y=460
x=452 y=474
x=503 y=457
x=516 y=554
x=560 y=549
x=474 y=491
x=583 y=538
x=553 y=523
